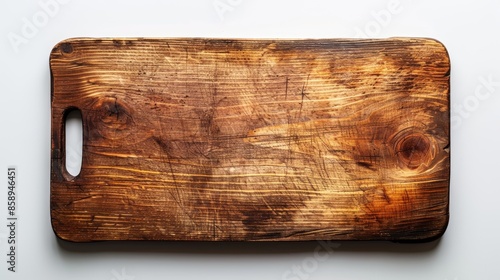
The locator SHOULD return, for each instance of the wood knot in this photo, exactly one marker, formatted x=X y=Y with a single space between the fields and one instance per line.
x=111 y=117
x=414 y=149
x=66 y=48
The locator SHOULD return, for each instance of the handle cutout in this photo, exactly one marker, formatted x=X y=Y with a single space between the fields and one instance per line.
x=74 y=141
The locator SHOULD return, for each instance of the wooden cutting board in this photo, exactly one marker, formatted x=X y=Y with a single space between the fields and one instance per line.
x=209 y=139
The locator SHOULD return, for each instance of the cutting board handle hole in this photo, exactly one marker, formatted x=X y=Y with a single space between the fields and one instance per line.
x=74 y=141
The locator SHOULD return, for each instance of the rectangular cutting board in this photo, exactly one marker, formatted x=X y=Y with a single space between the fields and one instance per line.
x=212 y=139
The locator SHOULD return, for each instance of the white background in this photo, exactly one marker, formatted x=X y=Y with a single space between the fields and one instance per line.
x=470 y=248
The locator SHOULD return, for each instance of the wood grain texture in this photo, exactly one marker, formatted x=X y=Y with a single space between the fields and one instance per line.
x=209 y=139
